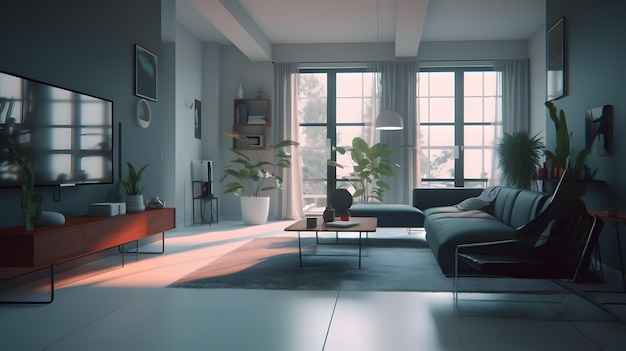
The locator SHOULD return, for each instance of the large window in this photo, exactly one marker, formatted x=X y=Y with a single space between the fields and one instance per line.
x=334 y=106
x=460 y=121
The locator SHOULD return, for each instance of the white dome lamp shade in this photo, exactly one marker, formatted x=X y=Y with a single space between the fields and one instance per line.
x=389 y=120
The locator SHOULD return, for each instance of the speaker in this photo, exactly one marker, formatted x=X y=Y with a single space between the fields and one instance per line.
x=202 y=171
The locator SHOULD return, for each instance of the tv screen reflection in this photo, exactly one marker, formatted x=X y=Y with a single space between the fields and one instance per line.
x=64 y=136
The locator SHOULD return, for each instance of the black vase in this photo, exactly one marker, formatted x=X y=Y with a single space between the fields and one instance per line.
x=329 y=215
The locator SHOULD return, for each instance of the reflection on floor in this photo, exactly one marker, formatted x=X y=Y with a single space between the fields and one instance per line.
x=130 y=308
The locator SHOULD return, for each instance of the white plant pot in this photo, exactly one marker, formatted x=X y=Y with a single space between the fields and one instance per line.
x=134 y=203
x=255 y=209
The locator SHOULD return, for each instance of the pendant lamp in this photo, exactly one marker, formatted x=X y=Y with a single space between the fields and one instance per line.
x=388 y=119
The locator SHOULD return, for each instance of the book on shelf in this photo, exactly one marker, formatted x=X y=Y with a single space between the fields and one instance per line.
x=255 y=119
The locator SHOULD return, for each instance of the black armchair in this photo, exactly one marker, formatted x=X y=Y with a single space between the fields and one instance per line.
x=560 y=249
x=563 y=251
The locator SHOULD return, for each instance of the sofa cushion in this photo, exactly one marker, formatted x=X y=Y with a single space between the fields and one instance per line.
x=528 y=205
x=424 y=198
x=483 y=200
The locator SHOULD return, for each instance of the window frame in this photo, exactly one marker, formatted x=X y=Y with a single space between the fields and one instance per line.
x=459 y=124
x=331 y=124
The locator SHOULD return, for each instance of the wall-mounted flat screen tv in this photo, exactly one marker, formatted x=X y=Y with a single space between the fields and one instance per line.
x=64 y=136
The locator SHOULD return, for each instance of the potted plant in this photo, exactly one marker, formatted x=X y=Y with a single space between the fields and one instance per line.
x=369 y=167
x=252 y=173
x=562 y=154
x=31 y=200
x=134 y=198
x=519 y=156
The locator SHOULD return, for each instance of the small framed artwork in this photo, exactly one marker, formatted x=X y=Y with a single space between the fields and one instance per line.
x=255 y=141
x=556 y=61
x=146 y=73
x=599 y=130
x=197 y=119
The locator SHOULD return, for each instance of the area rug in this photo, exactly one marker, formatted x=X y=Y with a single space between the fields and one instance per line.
x=272 y=263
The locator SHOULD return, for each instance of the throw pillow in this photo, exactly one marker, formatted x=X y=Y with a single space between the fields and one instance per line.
x=483 y=200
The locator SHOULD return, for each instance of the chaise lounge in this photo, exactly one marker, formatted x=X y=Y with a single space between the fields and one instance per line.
x=457 y=216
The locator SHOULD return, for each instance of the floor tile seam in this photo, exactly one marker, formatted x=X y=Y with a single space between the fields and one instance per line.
x=89 y=324
x=330 y=322
x=573 y=324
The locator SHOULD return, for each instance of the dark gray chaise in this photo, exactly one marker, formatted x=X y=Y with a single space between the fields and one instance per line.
x=390 y=215
x=447 y=226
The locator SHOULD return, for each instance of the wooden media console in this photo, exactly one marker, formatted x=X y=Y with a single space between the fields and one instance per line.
x=79 y=236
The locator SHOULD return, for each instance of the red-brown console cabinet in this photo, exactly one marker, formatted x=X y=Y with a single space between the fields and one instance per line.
x=79 y=236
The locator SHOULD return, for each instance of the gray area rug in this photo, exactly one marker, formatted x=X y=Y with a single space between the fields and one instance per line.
x=387 y=265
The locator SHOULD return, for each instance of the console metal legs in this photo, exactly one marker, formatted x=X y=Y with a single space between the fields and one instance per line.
x=45 y=302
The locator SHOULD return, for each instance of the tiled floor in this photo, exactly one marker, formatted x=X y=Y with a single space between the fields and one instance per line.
x=130 y=309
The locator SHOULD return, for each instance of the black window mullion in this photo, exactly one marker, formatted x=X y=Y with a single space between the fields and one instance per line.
x=458 y=128
x=331 y=133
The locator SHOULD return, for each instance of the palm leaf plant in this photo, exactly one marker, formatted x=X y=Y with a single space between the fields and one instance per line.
x=519 y=157
x=369 y=167
x=252 y=173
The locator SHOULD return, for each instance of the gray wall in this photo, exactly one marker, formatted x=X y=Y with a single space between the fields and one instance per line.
x=596 y=72
x=87 y=46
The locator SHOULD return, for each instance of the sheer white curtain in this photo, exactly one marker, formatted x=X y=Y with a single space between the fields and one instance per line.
x=398 y=93
x=514 y=84
x=515 y=95
x=285 y=126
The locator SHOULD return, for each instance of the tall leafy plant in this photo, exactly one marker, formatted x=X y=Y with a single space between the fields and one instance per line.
x=519 y=156
x=562 y=154
x=369 y=167
x=252 y=173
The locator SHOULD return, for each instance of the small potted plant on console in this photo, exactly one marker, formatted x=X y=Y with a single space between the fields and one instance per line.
x=134 y=198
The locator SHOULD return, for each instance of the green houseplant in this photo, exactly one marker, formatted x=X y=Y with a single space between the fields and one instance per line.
x=519 y=156
x=253 y=173
x=369 y=167
x=31 y=200
x=134 y=198
x=562 y=154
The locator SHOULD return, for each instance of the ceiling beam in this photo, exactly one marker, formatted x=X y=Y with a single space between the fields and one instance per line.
x=232 y=19
x=410 y=18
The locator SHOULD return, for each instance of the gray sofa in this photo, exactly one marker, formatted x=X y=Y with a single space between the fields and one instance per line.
x=447 y=226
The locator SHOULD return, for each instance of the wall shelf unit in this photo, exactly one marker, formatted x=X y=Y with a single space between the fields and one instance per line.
x=252 y=118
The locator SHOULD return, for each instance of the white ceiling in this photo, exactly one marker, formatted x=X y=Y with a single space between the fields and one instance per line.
x=254 y=25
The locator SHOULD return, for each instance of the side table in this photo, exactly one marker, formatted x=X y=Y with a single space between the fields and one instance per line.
x=616 y=220
x=202 y=196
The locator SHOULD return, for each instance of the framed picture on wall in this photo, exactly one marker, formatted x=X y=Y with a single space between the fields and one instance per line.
x=146 y=73
x=556 y=61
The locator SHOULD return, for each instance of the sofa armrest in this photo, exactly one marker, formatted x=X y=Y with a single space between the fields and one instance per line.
x=424 y=198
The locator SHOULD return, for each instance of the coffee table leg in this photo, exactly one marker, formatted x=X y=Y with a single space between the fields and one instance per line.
x=299 y=248
x=360 y=233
